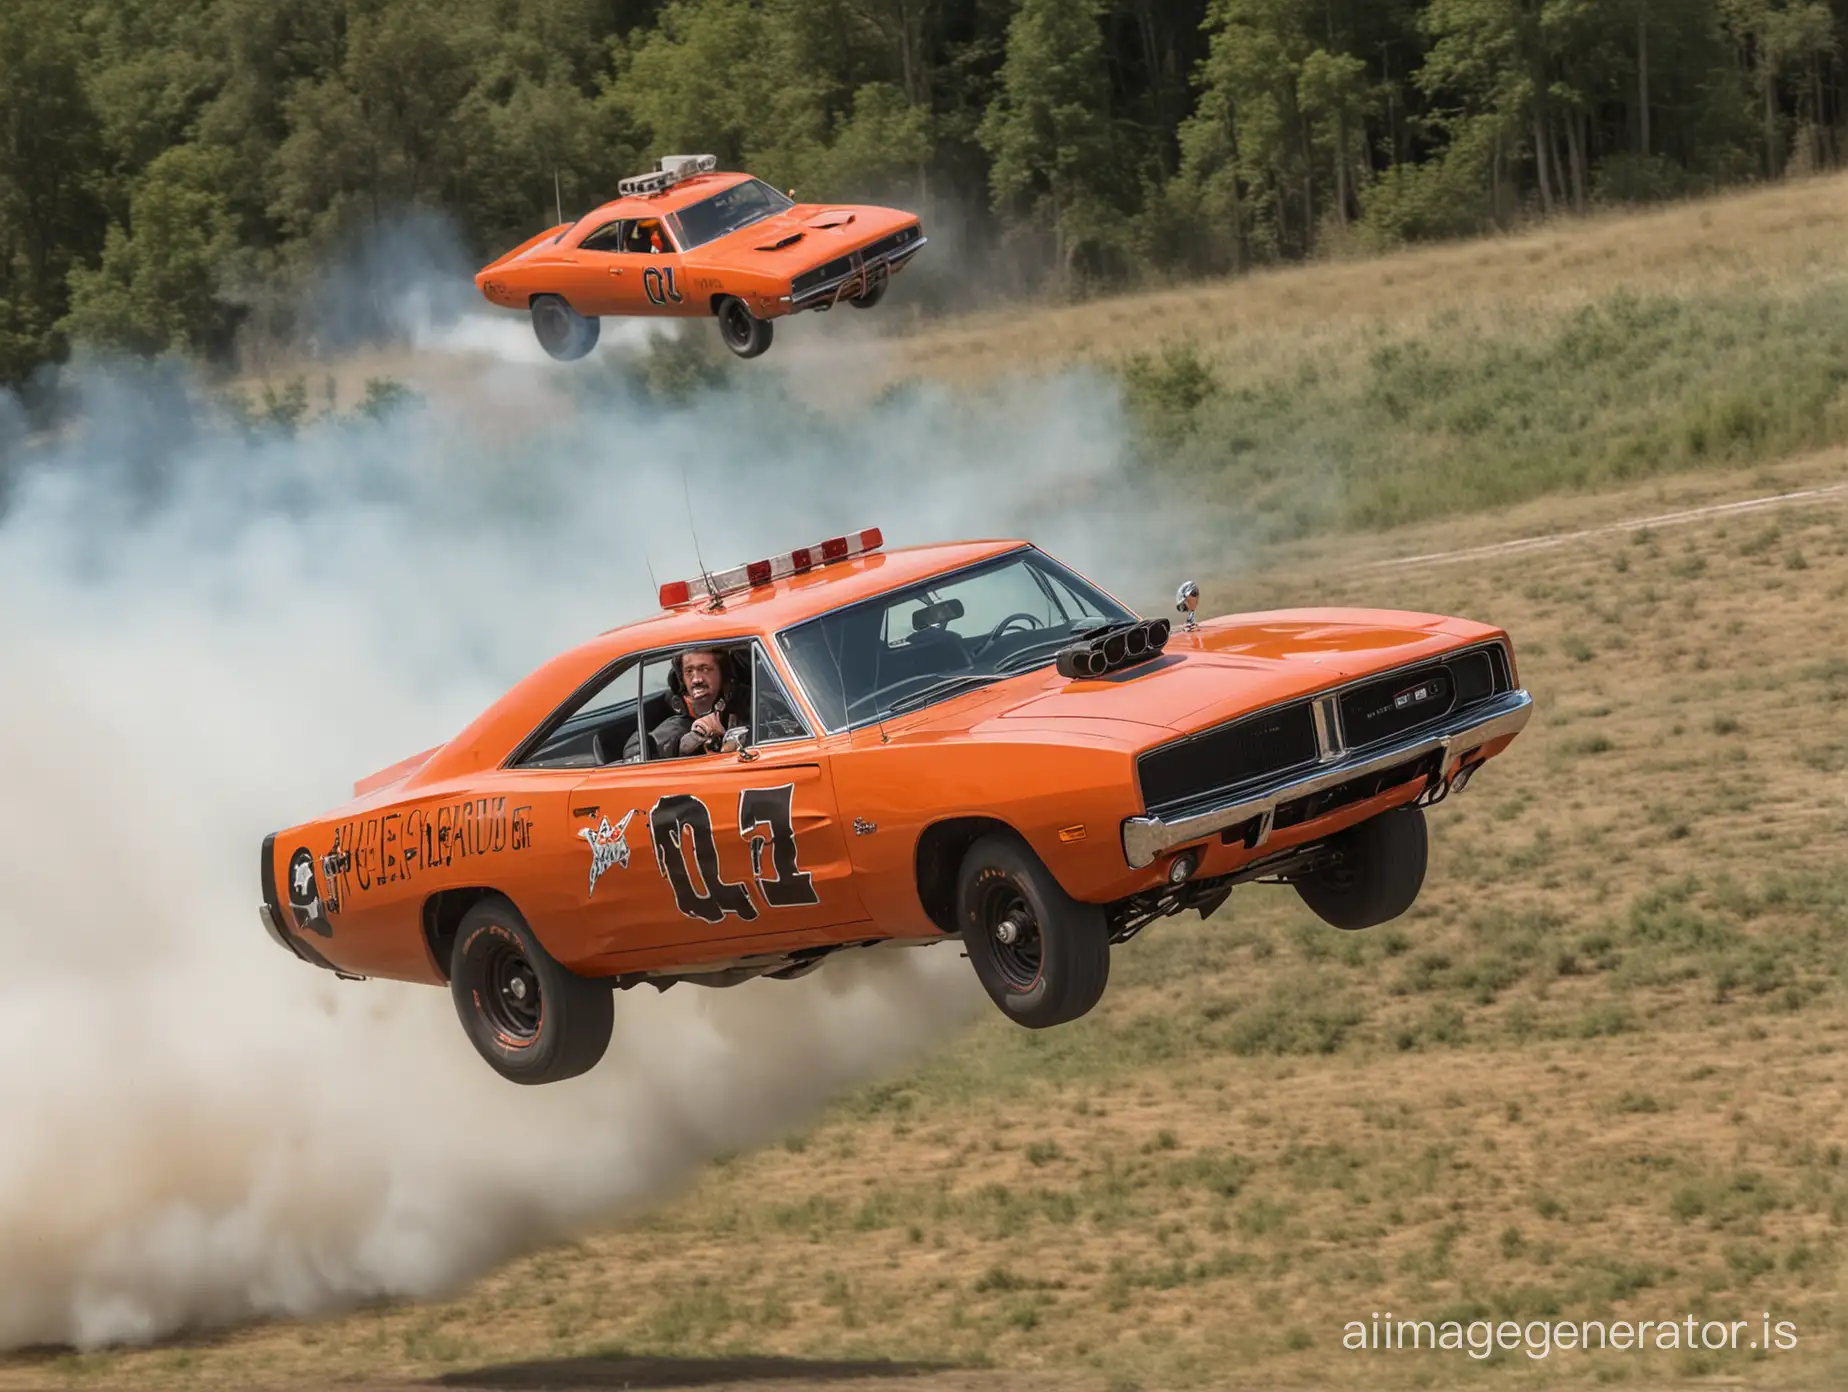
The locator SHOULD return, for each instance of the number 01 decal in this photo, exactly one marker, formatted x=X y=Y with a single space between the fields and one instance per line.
x=679 y=818
x=658 y=281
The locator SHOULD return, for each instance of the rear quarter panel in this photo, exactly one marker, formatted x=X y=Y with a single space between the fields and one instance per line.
x=377 y=862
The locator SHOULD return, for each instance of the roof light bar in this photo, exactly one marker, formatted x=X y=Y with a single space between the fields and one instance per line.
x=672 y=170
x=756 y=574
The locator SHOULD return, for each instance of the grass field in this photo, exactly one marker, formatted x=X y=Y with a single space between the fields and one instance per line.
x=1444 y=380
x=1597 y=1072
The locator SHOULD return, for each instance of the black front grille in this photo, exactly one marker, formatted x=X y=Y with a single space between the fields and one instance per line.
x=1215 y=760
x=1475 y=677
x=1397 y=705
x=903 y=237
x=808 y=280
x=1406 y=701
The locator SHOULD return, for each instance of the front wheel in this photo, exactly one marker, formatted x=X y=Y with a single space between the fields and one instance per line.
x=561 y=330
x=532 y=1019
x=744 y=333
x=1376 y=871
x=1041 y=955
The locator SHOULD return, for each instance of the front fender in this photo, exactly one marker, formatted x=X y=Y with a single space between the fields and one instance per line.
x=1064 y=796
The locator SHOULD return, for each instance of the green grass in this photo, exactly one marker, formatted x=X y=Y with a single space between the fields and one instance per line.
x=1460 y=416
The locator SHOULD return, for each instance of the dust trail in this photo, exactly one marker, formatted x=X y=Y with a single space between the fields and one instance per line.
x=207 y=637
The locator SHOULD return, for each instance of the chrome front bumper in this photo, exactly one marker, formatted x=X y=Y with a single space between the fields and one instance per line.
x=1459 y=736
x=831 y=292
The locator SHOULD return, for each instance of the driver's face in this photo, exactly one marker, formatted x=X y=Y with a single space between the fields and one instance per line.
x=700 y=672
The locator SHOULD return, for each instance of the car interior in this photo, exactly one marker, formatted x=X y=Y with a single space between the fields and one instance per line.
x=629 y=235
x=597 y=733
x=608 y=237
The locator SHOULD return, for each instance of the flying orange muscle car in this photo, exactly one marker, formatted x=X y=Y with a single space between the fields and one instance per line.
x=686 y=241
x=845 y=747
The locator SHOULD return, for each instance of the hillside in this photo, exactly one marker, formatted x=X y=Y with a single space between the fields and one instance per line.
x=1347 y=395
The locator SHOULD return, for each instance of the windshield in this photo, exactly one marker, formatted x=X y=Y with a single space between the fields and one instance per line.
x=739 y=206
x=923 y=644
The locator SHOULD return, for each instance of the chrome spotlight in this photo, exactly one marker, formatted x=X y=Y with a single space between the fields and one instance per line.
x=1186 y=600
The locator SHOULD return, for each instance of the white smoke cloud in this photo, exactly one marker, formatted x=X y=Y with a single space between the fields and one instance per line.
x=207 y=638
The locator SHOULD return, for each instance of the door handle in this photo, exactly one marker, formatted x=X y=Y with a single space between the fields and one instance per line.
x=615 y=270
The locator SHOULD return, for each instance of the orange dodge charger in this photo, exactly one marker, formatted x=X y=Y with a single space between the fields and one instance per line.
x=686 y=241
x=846 y=747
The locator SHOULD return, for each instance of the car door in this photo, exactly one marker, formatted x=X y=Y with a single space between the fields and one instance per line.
x=706 y=856
x=607 y=277
x=663 y=276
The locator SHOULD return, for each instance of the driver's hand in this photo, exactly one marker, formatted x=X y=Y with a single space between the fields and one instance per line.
x=709 y=727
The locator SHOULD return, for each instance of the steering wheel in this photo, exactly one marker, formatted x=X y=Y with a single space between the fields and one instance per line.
x=1001 y=628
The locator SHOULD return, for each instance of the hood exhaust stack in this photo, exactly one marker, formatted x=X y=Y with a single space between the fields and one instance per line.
x=1118 y=648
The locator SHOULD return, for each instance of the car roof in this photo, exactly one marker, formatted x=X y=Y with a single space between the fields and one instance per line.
x=670 y=200
x=758 y=612
x=765 y=609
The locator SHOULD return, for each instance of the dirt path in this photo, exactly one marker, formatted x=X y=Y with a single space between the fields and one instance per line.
x=1802 y=496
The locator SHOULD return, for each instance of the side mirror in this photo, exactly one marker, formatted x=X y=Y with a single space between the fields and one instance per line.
x=737 y=741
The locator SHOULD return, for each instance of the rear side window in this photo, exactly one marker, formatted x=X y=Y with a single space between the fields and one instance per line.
x=597 y=730
x=606 y=238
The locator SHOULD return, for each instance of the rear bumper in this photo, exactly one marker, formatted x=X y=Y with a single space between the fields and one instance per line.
x=1146 y=838
x=274 y=916
x=844 y=287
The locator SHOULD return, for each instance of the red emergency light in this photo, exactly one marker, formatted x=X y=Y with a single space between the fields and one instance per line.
x=756 y=574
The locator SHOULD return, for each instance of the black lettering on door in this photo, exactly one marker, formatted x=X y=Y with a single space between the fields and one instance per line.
x=658 y=281
x=789 y=884
x=680 y=814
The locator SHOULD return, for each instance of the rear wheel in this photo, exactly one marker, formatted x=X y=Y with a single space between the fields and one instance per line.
x=1042 y=956
x=1376 y=871
x=744 y=333
x=533 y=1020
x=561 y=330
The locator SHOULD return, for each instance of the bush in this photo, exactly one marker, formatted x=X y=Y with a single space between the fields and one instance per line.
x=1165 y=392
x=1631 y=178
x=1422 y=202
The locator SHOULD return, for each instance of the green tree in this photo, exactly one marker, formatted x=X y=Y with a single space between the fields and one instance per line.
x=157 y=287
x=1248 y=147
x=1782 y=37
x=1335 y=96
x=801 y=120
x=50 y=149
x=380 y=131
x=1049 y=131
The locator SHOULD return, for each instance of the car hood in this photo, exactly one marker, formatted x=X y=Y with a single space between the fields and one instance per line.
x=1221 y=669
x=802 y=238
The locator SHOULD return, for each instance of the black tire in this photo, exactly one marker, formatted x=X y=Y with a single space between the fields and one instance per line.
x=1057 y=967
x=875 y=292
x=530 y=1018
x=561 y=330
x=744 y=333
x=1378 y=872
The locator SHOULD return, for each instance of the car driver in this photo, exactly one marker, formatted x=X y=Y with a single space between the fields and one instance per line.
x=699 y=692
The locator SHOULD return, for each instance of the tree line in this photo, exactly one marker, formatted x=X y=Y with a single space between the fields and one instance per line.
x=165 y=165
